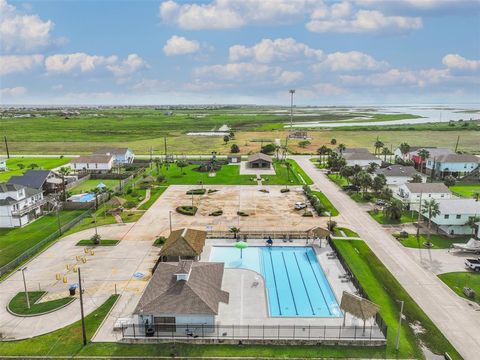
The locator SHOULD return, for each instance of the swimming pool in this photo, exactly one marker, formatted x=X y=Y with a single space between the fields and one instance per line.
x=85 y=197
x=295 y=283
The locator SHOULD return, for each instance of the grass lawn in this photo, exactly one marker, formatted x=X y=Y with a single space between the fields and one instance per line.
x=438 y=241
x=407 y=217
x=324 y=200
x=383 y=289
x=154 y=195
x=43 y=163
x=18 y=304
x=13 y=242
x=465 y=190
x=458 y=280
x=337 y=179
x=131 y=216
x=347 y=232
x=299 y=171
x=88 y=242
x=91 y=184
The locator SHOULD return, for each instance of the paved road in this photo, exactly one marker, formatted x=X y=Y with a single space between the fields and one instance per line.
x=459 y=322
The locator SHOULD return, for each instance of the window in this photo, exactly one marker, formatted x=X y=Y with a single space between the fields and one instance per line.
x=446 y=216
x=459 y=216
x=429 y=195
x=443 y=195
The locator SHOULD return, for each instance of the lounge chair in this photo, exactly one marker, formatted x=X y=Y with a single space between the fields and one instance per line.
x=471 y=246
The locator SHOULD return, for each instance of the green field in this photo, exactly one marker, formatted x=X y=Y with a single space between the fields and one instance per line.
x=458 y=280
x=43 y=163
x=465 y=190
x=88 y=242
x=438 y=241
x=18 y=304
x=407 y=216
x=326 y=203
x=347 y=232
x=154 y=195
x=91 y=184
x=383 y=289
x=13 y=242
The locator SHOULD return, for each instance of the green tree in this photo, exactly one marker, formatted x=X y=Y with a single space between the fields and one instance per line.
x=416 y=178
x=226 y=139
x=21 y=166
x=372 y=167
x=346 y=172
x=234 y=230
x=378 y=145
x=424 y=155
x=385 y=152
x=404 y=149
x=449 y=181
x=431 y=209
x=472 y=223
x=268 y=149
x=234 y=149
x=378 y=183
x=365 y=181
x=64 y=171
x=333 y=141
x=393 y=210
x=181 y=164
x=341 y=148
x=33 y=166
x=304 y=143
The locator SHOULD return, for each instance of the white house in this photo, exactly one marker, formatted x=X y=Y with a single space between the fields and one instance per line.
x=362 y=159
x=19 y=205
x=3 y=164
x=397 y=175
x=411 y=193
x=181 y=294
x=452 y=164
x=120 y=155
x=92 y=163
x=454 y=214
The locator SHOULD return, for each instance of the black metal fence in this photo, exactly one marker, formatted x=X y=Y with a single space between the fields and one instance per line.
x=34 y=249
x=369 y=335
x=361 y=292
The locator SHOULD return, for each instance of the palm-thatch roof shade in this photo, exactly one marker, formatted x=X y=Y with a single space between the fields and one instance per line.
x=184 y=243
x=319 y=232
x=359 y=307
x=117 y=201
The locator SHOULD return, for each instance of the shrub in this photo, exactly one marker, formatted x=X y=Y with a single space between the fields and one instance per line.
x=160 y=241
x=216 y=213
x=241 y=213
x=160 y=178
x=187 y=210
x=284 y=190
x=129 y=204
x=268 y=149
x=210 y=191
x=129 y=191
x=234 y=149
x=331 y=225
x=196 y=192
x=96 y=239
x=307 y=214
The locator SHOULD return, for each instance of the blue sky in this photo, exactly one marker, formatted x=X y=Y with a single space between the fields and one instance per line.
x=249 y=51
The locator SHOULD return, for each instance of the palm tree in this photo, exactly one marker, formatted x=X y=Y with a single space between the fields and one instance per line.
x=234 y=230
x=432 y=209
x=385 y=152
x=372 y=167
x=476 y=195
x=64 y=171
x=404 y=149
x=416 y=178
x=378 y=145
x=181 y=164
x=393 y=210
x=424 y=155
x=365 y=181
x=472 y=223
x=322 y=150
x=341 y=148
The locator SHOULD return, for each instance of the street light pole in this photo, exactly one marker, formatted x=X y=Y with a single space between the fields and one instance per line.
x=399 y=324
x=291 y=91
x=84 y=333
x=25 y=286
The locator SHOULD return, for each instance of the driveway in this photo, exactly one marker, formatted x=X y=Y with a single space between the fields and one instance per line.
x=452 y=315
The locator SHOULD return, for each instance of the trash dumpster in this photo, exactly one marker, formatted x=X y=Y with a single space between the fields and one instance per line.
x=72 y=289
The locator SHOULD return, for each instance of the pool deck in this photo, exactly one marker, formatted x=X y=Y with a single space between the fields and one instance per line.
x=248 y=303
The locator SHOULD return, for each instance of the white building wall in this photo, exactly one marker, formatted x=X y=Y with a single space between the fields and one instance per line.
x=93 y=166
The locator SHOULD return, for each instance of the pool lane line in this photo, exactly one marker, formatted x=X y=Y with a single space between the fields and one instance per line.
x=289 y=283
x=303 y=281
x=275 y=282
x=318 y=283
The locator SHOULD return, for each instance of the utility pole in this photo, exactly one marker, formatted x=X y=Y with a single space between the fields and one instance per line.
x=58 y=219
x=418 y=220
x=6 y=147
x=399 y=324
x=25 y=286
x=84 y=333
x=456 y=145
x=291 y=91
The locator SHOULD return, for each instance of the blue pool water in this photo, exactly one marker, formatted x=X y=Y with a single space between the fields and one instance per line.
x=295 y=283
x=86 y=197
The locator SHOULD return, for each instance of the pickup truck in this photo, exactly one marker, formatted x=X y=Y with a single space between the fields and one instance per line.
x=473 y=264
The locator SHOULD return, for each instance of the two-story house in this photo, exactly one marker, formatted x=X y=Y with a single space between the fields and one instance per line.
x=19 y=205
x=452 y=164
x=120 y=155
x=92 y=163
x=454 y=215
x=46 y=180
x=412 y=193
x=397 y=175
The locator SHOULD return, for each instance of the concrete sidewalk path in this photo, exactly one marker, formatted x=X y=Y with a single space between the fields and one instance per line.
x=455 y=318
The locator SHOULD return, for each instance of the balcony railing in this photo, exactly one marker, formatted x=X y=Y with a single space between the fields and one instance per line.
x=26 y=209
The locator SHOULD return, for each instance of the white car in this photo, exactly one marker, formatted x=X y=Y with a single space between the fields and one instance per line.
x=300 y=206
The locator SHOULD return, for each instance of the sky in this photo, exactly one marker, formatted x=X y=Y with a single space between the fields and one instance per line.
x=351 y=52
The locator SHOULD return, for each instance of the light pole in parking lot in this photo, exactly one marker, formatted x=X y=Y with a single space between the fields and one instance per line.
x=291 y=91
x=25 y=285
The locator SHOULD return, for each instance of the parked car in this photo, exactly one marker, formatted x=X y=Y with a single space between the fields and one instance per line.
x=473 y=264
x=380 y=202
x=300 y=206
x=351 y=188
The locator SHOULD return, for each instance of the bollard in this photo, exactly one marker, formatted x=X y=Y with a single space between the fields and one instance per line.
x=57 y=277
x=64 y=279
x=84 y=260
x=86 y=250
x=68 y=267
x=75 y=268
x=92 y=252
x=78 y=257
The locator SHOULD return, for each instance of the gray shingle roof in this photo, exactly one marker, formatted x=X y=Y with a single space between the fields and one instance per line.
x=457 y=158
x=260 y=156
x=427 y=188
x=6 y=187
x=200 y=294
x=398 y=170
x=32 y=178
x=91 y=159
x=360 y=156
x=459 y=206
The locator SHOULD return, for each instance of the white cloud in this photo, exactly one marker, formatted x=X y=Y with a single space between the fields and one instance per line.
x=225 y=14
x=289 y=77
x=396 y=77
x=268 y=50
x=12 y=92
x=21 y=32
x=84 y=63
x=10 y=64
x=328 y=89
x=455 y=61
x=350 y=61
x=235 y=71
x=361 y=21
x=178 y=45
x=128 y=66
